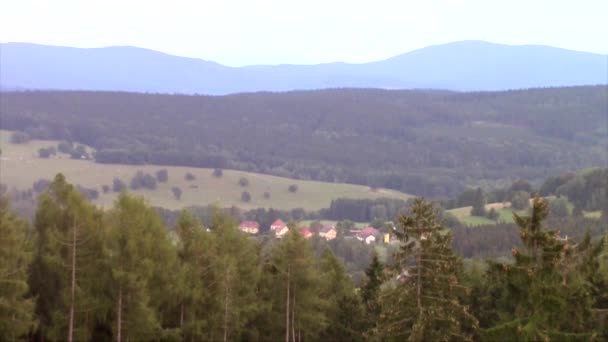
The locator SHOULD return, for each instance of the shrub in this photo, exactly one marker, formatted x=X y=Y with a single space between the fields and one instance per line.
x=44 y=153
x=143 y=180
x=245 y=196
x=267 y=195
x=218 y=173
x=243 y=182
x=118 y=185
x=189 y=177
x=177 y=192
x=493 y=215
x=293 y=188
x=65 y=147
x=105 y=188
x=162 y=176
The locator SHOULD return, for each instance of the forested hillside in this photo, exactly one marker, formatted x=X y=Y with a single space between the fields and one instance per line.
x=432 y=143
x=80 y=273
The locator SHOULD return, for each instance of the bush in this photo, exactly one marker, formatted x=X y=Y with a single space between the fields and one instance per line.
x=293 y=188
x=267 y=195
x=189 y=177
x=105 y=188
x=118 y=185
x=162 y=176
x=243 y=182
x=44 y=153
x=245 y=196
x=20 y=138
x=177 y=192
x=218 y=173
x=143 y=180
x=493 y=215
x=80 y=152
x=65 y=147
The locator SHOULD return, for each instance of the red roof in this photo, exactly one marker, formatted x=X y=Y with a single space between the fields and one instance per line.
x=367 y=231
x=305 y=231
x=278 y=224
x=249 y=224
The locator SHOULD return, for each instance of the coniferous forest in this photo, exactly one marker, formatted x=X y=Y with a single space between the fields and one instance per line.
x=78 y=273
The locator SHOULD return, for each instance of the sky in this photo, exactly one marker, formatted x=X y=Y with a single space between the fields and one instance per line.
x=245 y=32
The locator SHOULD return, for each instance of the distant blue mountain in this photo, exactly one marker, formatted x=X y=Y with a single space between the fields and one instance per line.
x=466 y=65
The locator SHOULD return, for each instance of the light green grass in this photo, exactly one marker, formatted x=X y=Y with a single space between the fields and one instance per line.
x=592 y=214
x=20 y=168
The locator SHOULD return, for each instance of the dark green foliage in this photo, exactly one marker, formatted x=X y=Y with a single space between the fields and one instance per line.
x=143 y=181
x=245 y=197
x=162 y=176
x=189 y=176
x=558 y=207
x=266 y=195
x=177 y=192
x=293 y=188
x=520 y=200
x=88 y=193
x=47 y=152
x=364 y=210
x=438 y=141
x=105 y=188
x=65 y=147
x=479 y=204
x=243 y=182
x=118 y=185
x=422 y=302
x=370 y=293
x=492 y=214
x=218 y=173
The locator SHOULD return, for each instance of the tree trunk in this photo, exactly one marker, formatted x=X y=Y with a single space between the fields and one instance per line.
x=287 y=308
x=419 y=282
x=293 y=317
x=73 y=287
x=226 y=297
x=119 y=315
x=181 y=316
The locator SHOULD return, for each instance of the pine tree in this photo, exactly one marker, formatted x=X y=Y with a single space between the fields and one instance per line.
x=16 y=311
x=546 y=280
x=371 y=291
x=67 y=263
x=479 y=204
x=423 y=301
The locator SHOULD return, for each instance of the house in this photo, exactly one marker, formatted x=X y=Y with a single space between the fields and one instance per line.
x=306 y=232
x=328 y=232
x=250 y=227
x=367 y=234
x=279 y=228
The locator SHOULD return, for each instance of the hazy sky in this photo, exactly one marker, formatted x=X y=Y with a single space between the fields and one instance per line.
x=238 y=32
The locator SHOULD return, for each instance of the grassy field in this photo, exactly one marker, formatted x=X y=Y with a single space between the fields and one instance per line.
x=20 y=168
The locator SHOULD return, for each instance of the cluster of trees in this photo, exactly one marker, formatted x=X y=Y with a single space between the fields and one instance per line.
x=439 y=142
x=363 y=210
x=86 y=274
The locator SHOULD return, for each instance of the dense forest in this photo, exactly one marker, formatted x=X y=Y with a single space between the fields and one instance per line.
x=433 y=143
x=82 y=273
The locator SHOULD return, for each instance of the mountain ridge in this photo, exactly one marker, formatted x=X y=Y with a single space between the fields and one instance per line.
x=461 y=66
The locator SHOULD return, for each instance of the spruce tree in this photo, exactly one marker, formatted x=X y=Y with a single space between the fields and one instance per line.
x=370 y=292
x=530 y=297
x=422 y=303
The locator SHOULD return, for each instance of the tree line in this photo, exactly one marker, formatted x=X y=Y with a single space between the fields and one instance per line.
x=440 y=142
x=82 y=273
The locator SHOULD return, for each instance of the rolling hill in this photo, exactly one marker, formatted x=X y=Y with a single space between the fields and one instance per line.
x=465 y=65
x=20 y=167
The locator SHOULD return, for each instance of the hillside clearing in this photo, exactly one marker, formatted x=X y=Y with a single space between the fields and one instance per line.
x=20 y=167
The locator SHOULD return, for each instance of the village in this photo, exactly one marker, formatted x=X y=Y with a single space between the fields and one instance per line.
x=278 y=228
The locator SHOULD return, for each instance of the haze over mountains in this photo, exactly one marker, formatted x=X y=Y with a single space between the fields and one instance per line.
x=462 y=66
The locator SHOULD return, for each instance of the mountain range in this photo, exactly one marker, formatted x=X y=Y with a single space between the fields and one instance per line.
x=460 y=66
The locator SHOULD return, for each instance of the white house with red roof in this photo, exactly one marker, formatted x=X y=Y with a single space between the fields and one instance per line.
x=328 y=232
x=279 y=228
x=249 y=227
x=305 y=232
x=367 y=234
